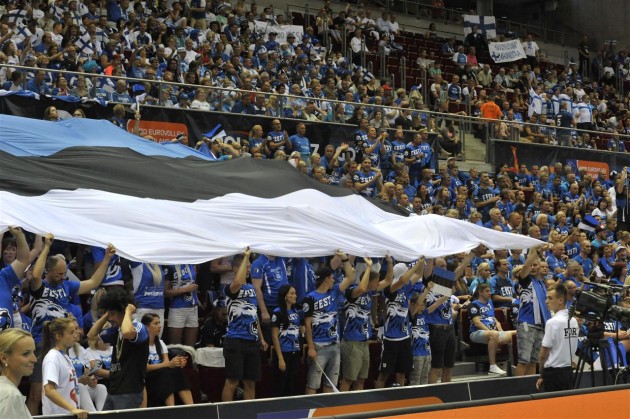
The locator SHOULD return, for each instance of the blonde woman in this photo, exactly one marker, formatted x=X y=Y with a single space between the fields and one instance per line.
x=17 y=357
x=257 y=143
x=148 y=289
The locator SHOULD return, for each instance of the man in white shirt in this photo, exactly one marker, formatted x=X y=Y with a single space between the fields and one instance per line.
x=357 y=44
x=531 y=50
x=558 y=344
x=584 y=113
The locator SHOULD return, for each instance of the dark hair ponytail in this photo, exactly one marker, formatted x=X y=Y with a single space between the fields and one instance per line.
x=283 y=317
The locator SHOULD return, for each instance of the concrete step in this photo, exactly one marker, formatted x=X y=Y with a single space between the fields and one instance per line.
x=464 y=369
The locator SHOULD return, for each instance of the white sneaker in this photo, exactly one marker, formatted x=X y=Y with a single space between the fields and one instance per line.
x=494 y=369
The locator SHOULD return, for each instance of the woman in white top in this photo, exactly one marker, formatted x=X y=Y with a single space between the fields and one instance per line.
x=17 y=357
x=58 y=374
x=200 y=101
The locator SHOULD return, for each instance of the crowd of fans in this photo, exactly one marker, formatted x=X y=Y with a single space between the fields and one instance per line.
x=335 y=304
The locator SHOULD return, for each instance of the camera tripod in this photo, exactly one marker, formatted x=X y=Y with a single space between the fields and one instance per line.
x=595 y=343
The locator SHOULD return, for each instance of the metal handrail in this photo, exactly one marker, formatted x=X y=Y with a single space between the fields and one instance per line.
x=463 y=121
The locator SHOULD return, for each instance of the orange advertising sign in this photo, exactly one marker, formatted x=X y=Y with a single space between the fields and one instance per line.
x=159 y=130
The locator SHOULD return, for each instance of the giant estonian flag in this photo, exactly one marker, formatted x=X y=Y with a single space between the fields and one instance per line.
x=87 y=181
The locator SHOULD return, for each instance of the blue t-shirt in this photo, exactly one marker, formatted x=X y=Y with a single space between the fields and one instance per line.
x=8 y=280
x=289 y=334
x=398 y=149
x=273 y=274
x=502 y=287
x=183 y=275
x=275 y=137
x=114 y=272
x=526 y=308
x=147 y=292
x=572 y=250
x=242 y=309
x=50 y=302
x=375 y=156
x=413 y=151
x=397 y=312
x=587 y=264
x=420 y=335
x=441 y=315
x=356 y=311
x=110 y=334
x=301 y=144
x=362 y=177
x=77 y=362
x=322 y=308
x=485 y=312
x=303 y=277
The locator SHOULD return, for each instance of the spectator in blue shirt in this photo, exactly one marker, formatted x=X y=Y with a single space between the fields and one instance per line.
x=300 y=143
x=38 y=83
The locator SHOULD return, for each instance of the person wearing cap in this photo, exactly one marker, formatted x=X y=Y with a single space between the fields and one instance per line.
x=320 y=309
x=272 y=44
x=396 y=356
x=357 y=330
x=183 y=101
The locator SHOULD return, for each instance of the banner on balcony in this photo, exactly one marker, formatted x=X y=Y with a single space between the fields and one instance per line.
x=504 y=52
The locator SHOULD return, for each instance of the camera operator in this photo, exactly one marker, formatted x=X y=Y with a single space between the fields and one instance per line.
x=556 y=350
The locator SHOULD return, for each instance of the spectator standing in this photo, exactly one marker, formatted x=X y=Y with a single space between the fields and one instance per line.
x=244 y=339
x=285 y=332
x=299 y=142
x=11 y=274
x=533 y=313
x=61 y=390
x=148 y=290
x=555 y=352
x=357 y=311
x=51 y=298
x=130 y=354
x=565 y=121
x=368 y=181
x=268 y=274
x=396 y=355
x=320 y=309
x=584 y=56
x=183 y=317
x=531 y=50
x=420 y=348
